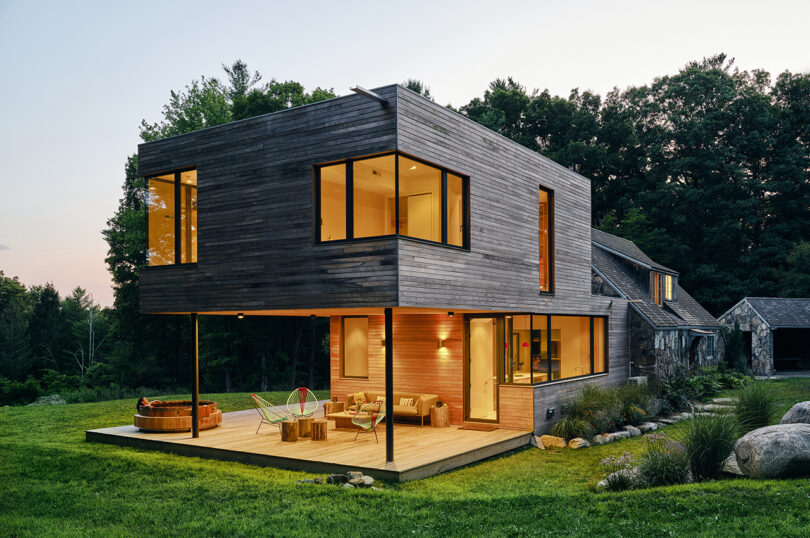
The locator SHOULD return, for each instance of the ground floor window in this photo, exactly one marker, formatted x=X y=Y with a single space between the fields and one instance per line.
x=542 y=348
x=354 y=344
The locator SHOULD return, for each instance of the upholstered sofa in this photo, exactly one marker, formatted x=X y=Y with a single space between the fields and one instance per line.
x=420 y=408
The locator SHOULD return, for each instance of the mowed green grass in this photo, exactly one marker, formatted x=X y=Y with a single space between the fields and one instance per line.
x=56 y=484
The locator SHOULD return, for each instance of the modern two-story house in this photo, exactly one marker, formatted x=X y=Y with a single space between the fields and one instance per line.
x=449 y=259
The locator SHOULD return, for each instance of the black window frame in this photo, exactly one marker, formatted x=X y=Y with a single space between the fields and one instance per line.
x=178 y=246
x=550 y=193
x=547 y=329
x=349 y=162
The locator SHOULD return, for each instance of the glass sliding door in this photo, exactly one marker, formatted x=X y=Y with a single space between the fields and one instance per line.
x=482 y=372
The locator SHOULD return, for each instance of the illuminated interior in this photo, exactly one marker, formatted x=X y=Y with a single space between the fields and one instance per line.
x=358 y=199
x=655 y=287
x=188 y=216
x=545 y=240
x=482 y=369
x=568 y=337
x=420 y=200
x=168 y=196
x=373 y=196
x=333 y=202
x=455 y=210
x=668 y=287
x=160 y=220
x=355 y=347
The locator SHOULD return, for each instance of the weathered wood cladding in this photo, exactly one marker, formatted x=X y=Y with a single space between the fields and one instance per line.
x=501 y=270
x=255 y=228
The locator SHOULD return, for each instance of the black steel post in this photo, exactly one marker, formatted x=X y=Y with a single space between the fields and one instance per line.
x=389 y=385
x=195 y=378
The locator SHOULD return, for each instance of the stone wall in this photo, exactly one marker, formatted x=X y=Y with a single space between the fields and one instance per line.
x=600 y=287
x=761 y=336
x=661 y=352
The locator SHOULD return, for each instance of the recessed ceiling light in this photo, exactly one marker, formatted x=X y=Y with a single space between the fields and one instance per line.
x=412 y=167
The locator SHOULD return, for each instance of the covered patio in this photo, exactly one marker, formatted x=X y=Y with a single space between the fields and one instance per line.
x=421 y=451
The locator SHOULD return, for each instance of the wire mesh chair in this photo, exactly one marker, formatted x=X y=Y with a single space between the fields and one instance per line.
x=302 y=403
x=270 y=413
x=367 y=419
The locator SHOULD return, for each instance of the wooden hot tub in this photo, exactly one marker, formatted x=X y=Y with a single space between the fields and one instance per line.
x=175 y=416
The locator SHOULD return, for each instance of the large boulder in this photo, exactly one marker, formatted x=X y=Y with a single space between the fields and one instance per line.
x=798 y=414
x=53 y=399
x=552 y=441
x=775 y=451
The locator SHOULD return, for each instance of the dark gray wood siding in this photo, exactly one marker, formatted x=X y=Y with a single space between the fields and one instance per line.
x=256 y=248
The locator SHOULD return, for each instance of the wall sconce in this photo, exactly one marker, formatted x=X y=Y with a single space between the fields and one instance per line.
x=240 y=315
x=382 y=342
x=441 y=343
x=451 y=314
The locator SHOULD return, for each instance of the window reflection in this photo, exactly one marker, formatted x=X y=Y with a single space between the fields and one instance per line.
x=160 y=211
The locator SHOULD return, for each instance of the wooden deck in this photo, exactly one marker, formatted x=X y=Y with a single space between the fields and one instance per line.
x=419 y=452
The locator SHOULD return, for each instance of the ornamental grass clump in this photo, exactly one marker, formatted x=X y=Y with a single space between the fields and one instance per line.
x=664 y=462
x=708 y=441
x=571 y=427
x=619 y=471
x=754 y=406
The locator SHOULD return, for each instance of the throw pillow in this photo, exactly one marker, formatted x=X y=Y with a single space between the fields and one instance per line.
x=359 y=398
x=406 y=402
x=380 y=398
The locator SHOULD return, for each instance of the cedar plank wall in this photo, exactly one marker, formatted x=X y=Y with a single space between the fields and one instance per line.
x=501 y=270
x=419 y=364
x=255 y=219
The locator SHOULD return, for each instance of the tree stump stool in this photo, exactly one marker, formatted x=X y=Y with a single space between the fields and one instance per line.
x=319 y=430
x=440 y=416
x=333 y=407
x=289 y=431
x=305 y=426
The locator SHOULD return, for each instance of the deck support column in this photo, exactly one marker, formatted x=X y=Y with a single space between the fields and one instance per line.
x=389 y=385
x=195 y=378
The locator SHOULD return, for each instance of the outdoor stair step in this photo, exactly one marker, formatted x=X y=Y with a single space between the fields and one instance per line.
x=723 y=401
x=713 y=408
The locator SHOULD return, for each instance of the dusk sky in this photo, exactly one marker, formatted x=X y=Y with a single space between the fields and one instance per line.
x=78 y=78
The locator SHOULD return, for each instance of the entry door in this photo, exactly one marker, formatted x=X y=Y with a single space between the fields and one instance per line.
x=482 y=393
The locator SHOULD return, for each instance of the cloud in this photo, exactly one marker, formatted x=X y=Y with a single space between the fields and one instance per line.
x=4 y=247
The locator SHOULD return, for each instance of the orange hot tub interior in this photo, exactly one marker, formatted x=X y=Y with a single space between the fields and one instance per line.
x=175 y=416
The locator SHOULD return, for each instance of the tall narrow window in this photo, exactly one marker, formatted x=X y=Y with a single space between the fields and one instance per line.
x=599 y=341
x=655 y=287
x=546 y=249
x=355 y=347
x=188 y=216
x=172 y=218
x=455 y=210
x=374 y=193
x=333 y=202
x=668 y=294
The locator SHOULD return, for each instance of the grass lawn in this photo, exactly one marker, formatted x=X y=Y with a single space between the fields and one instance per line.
x=54 y=483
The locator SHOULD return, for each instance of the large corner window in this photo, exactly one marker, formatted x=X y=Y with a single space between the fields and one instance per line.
x=391 y=195
x=546 y=246
x=550 y=348
x=172 y=218
x=354 y=347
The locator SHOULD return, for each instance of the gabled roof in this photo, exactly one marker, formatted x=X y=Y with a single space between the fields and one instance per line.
x=627 y=249
x=781 y=311
x=681 y=313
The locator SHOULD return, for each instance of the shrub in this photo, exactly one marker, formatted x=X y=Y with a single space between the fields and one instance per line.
x=603 y=422
x=708 y=441
x=19 y=392
x=633 y=415
x=618 y=468
x=570 y=427
x=754 y=406
x=664 y=462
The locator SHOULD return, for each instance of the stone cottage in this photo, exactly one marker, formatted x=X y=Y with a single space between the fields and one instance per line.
x=775 y=332
x=668 y=329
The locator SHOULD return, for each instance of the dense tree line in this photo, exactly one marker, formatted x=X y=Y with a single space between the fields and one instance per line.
x=707 y=170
